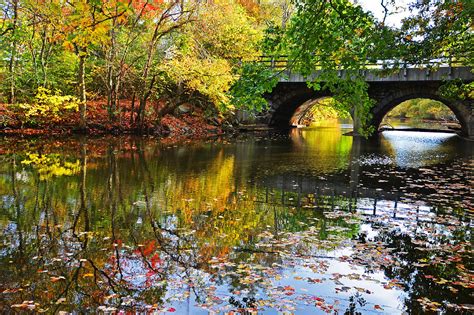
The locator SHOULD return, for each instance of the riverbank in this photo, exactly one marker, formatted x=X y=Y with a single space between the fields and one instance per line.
x=187 y=121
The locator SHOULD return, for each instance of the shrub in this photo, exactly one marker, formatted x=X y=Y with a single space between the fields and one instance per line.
x=45 y=107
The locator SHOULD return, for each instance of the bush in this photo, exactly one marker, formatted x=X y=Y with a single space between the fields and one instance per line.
x=46 y=107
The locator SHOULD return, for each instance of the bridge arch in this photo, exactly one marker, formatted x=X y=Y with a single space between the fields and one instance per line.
x=463 y=110
x=288 y=96
x=287 y=100
x=304 y=109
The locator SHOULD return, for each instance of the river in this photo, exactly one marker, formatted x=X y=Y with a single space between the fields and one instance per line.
x=305 y=222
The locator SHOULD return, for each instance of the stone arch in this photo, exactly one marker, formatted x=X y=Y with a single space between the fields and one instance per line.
x=463 y=110
x=285 y=100
x=286 y=97
x=302 y=110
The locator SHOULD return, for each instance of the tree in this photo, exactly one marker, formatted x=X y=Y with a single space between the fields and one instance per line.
x=162 y=19
x=422 y=109
x=337 y=34
x=208 y=55
x=175 y=52
x=10 y=29
x=83 y=28
x=439 y=28
x=332 y=35
x=42 y=30
x=123 y=33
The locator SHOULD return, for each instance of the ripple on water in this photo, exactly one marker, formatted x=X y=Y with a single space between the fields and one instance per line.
x=415 y=149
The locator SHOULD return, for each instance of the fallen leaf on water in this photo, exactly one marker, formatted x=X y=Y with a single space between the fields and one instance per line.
x=25 y=305
x=61 y=300
x=56 y=279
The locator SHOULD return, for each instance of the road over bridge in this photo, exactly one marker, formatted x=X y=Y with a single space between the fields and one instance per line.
x=387 y=91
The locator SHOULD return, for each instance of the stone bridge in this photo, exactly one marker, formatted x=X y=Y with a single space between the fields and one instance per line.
x=388 y=91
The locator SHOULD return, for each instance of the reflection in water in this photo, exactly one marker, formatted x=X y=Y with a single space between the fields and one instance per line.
x=327 y=149
x=415 y=149
x=398 y=123
x=314 y=221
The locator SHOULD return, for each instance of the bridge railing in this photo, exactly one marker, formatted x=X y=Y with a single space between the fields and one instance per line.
x=282 y=62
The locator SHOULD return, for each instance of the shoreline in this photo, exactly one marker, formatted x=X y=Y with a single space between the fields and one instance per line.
x=191 y=123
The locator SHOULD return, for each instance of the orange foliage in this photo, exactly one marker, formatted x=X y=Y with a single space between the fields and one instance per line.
x=251 y=6
x=148 y=7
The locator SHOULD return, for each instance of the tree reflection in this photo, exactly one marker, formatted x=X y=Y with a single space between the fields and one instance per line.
x=131 y=228
x=432 y=265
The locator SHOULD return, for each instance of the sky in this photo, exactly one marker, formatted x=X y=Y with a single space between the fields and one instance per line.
x=377 y=9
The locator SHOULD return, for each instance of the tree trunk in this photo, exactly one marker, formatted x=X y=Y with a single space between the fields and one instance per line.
x=110 y=91
x=132 y=110
x=143 y=99
x=82 y=88
x=111 y=78
x=145 y=91
x=357 y=121
x=12 y=62
x=115 y=97
x=141 y=112
x=44 y=55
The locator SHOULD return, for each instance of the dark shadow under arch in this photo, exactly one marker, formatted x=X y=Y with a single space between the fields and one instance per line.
x=289 y=97
x=303 y=113
x=302 y=110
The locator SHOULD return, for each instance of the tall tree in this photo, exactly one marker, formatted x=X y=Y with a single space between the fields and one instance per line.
x=10 y=30
x=162 y=19
x=338 y=34
x=122 y=34
x=439 y=28
x=85 y=27
x=332 y=35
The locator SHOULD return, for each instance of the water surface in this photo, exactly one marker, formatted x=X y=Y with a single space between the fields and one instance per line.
x=307 y=222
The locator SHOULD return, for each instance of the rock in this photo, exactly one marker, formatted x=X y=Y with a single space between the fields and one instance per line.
x=184 y=108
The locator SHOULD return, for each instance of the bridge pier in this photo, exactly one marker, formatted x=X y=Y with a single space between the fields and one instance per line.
x=470 y=127
x=356 y=122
